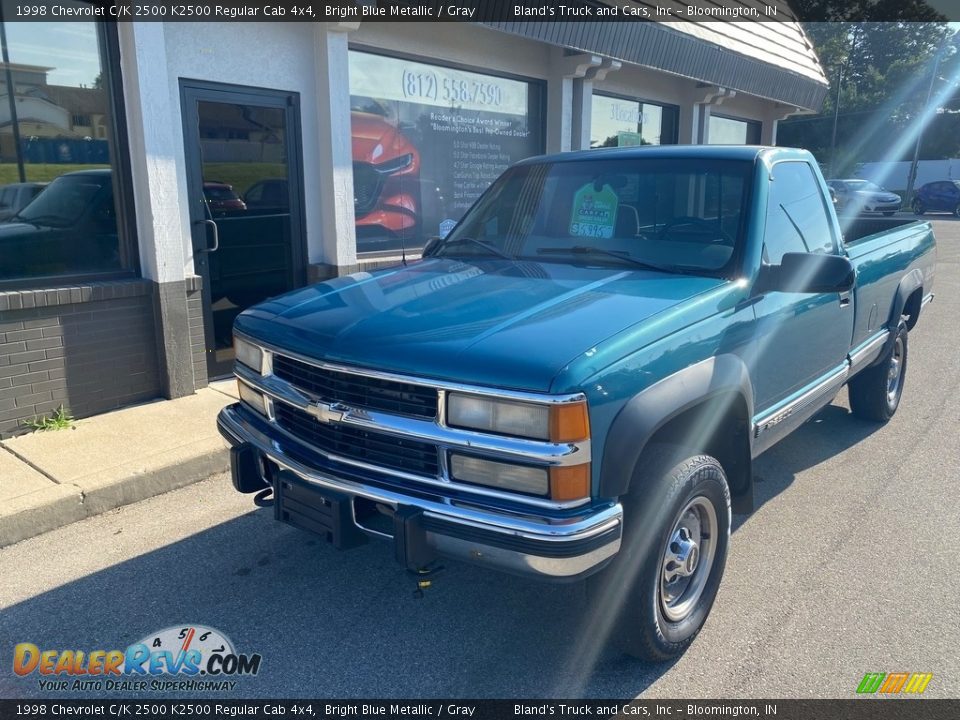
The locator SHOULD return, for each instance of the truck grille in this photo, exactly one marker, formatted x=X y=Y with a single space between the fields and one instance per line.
x=358 y=391
x=370 y=447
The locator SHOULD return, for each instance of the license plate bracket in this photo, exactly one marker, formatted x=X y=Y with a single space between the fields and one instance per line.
x=318 y=510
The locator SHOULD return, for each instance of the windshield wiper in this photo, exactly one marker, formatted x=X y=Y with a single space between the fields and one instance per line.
x=593 y=250
x=482 y=243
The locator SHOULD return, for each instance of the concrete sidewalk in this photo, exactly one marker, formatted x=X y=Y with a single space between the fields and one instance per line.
x=50 y=479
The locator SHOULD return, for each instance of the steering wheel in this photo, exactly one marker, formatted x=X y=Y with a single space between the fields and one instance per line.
x=689 y=220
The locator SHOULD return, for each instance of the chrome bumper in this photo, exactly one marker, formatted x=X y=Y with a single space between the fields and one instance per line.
x=539 y=546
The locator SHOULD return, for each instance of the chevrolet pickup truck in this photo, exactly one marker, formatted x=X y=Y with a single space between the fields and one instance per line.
x=574 y=382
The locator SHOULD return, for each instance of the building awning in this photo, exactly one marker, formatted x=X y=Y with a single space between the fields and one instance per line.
x=769 y=59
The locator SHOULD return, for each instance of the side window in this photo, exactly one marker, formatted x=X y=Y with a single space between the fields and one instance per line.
x=796 y=216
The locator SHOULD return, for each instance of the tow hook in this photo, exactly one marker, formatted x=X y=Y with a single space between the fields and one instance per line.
x=264 y=498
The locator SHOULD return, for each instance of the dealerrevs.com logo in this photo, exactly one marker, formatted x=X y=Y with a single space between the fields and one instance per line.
x=179 y=658
x=894 y=683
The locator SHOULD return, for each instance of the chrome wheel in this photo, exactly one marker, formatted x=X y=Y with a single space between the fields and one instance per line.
x=688 y=558
x=895 y=373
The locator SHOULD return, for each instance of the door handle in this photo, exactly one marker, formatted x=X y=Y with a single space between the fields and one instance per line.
x=216 y=234
x=844 y=299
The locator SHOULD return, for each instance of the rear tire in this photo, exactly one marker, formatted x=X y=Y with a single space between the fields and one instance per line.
x=956 y=211
x=674 y=550
x=875 y=392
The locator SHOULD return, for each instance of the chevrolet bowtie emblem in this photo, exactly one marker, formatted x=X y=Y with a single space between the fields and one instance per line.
x=328 y=413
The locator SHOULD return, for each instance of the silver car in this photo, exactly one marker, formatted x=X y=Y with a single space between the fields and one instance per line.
x=856 y=196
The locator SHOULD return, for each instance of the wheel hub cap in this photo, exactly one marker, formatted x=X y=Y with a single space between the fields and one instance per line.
x=687 y=558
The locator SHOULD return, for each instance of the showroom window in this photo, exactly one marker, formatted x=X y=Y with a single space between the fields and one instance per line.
x=59 y=175
x=733 y=131
x=619 y=122
x=427 y=140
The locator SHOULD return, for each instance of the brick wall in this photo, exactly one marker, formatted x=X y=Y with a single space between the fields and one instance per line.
x=198 y=345
x=91 y=348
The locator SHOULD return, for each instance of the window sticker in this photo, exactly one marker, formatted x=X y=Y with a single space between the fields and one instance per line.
x=594 y=212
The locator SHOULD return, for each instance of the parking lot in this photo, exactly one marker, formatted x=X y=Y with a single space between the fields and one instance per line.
x=847 y=566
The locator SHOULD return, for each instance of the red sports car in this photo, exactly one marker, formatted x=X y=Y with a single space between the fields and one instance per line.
x=386 y=175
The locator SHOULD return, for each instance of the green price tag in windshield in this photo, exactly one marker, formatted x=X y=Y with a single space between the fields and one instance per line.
x=594 y=212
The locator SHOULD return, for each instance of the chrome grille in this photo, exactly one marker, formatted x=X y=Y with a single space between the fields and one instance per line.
x=359 y=391
x=375 y=448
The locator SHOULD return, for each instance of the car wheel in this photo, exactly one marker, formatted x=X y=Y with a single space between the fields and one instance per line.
x=875 y=392
x=918 y=208
x=674 y=550
x=956 y=211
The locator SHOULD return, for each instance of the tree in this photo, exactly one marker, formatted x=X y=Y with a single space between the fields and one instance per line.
x=886 y=70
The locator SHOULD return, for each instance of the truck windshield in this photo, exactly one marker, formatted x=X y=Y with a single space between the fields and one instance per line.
x=677 y=215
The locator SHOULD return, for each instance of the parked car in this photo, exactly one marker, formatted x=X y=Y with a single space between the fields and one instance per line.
x=941 y=196
x=386 y=174
x=272 y=193
x=70 y=226
x=575 y=381
x=856 y=196
x=15 y=196
x=221 y=197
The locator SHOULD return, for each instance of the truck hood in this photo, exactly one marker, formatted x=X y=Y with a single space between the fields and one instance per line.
x=489 y=322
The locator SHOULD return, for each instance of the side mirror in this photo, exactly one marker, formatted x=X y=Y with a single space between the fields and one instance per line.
x=807 y=273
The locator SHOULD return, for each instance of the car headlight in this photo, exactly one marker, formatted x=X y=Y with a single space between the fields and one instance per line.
x=253 y=398
x=248 y=354
x=563 y=422
x=503 y=476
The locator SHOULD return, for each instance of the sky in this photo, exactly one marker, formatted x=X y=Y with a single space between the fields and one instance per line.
x=70 y=48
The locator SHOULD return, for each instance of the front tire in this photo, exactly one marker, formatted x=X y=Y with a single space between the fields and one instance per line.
x=875 y=392
x=676 y=536
x=918 y=208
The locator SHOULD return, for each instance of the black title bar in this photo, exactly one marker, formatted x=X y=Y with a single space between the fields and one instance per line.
x=864 y=708
x=481 y=11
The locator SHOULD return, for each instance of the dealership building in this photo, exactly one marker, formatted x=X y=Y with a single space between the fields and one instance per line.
x=156 y=178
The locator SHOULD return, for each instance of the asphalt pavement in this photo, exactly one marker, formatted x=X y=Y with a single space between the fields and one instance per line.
x=848 y=566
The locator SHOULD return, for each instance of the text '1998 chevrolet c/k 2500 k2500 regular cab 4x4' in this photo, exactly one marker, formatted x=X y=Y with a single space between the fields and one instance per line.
x=575 y=381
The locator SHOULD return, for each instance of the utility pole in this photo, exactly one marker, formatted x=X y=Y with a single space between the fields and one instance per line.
x=912 y=175
x=836 y=117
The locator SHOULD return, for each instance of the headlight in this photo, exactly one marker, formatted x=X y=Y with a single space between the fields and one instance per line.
x=253 y=398
x=248 y=354
x=564 y=422
x=503 y=476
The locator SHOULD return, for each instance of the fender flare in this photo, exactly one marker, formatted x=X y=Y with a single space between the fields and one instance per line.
x=909 y=284
x=654 y=407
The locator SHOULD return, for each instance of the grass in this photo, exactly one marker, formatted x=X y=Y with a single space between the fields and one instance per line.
x=40 y=172
x=60 y=420
x=240 y=175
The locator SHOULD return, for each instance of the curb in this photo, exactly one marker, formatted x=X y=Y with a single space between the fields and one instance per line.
x=58 y=505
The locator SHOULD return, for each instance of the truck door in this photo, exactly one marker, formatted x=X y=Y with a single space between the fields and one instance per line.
x=801 y=339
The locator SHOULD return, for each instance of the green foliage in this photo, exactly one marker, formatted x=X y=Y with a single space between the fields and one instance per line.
x=886 y=71
x=59 y=420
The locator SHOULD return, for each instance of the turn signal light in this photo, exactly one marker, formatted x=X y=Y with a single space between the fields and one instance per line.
x=569 y=422
x=570 y=482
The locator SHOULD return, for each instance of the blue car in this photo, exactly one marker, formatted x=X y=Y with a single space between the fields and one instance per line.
x=941 y=196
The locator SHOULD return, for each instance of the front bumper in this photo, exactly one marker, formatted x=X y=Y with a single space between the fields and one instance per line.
x=425 y=525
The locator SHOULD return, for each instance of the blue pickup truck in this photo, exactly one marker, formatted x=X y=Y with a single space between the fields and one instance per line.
x=574 y=382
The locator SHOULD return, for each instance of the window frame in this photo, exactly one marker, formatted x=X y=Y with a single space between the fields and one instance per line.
x=642 y=101
x=108 y=45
